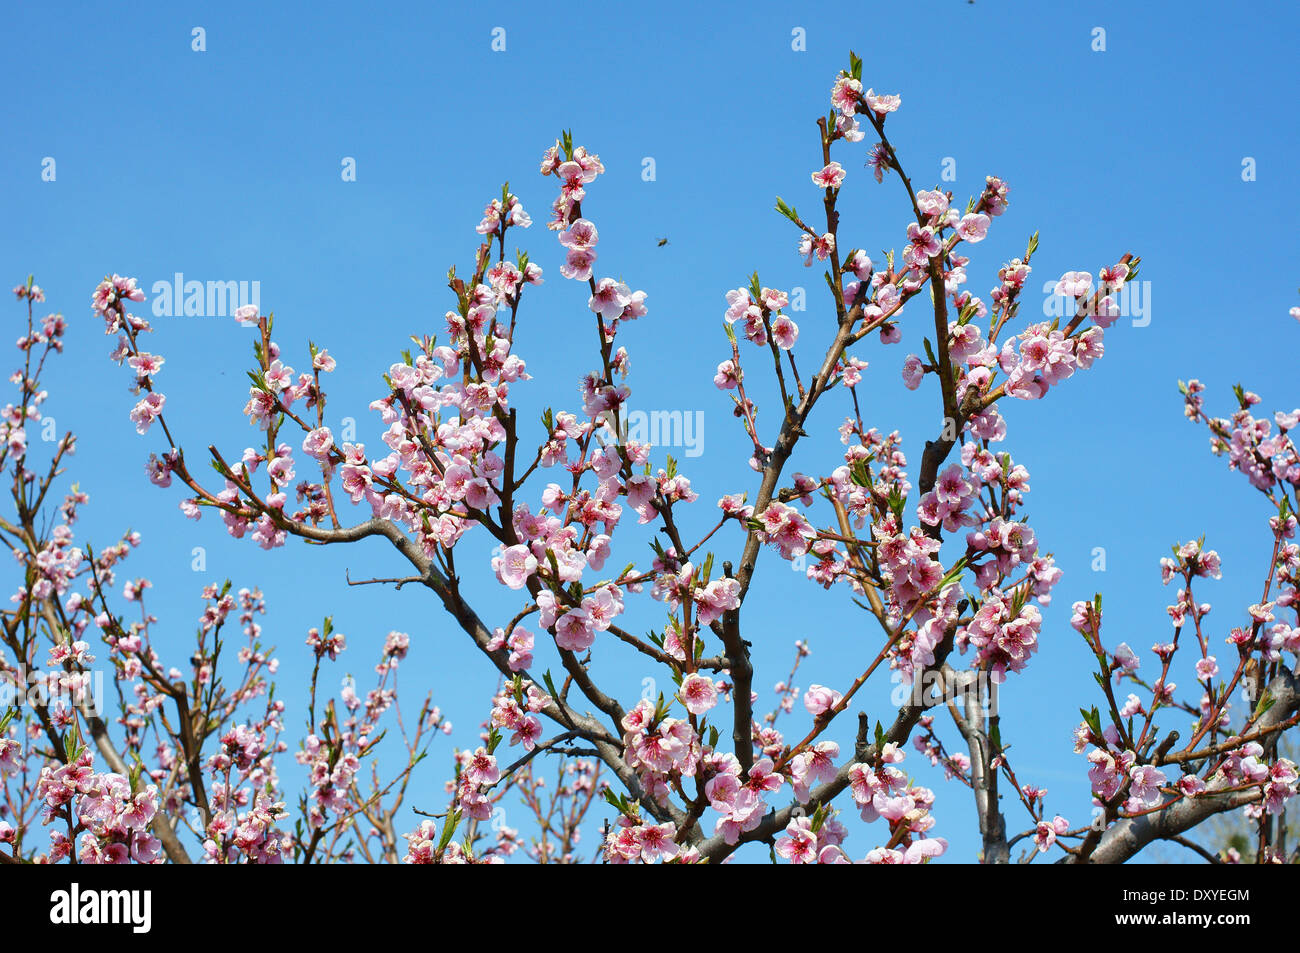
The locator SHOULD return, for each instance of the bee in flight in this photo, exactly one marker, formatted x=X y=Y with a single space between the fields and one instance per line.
x=663 y=242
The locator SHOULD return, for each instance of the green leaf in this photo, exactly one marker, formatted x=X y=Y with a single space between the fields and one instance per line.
x=896 y=502
x=661 y=708
x=1092 y=718
x=1266 y=701
x=448 y=829
x=959 y=565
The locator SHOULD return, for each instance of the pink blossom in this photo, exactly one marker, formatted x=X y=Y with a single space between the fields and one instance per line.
x=610 y=298
x=973 y=227
x=819 y=699
x=318 y=443
x=913 y=371
x=698 y=693
x=830 y=177
x=482 y=768
x=573 y=631
x=1046 y=832
x=925 y=849
x=581 y=234
x=932 y=203
x=727 y=377
x=1074 y=284
x=717 y=597
x=147 y=411
x=784 y=332
x=883 y=104
x=145 y=365
x=1145 y=787
x=514 y=566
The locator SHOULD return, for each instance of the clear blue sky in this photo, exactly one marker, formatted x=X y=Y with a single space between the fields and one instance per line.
x=226 y=165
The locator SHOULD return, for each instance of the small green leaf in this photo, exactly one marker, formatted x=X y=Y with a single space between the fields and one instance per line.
x=786 y=210
x=855 y=66
x=1266 y=701
x=448 y=829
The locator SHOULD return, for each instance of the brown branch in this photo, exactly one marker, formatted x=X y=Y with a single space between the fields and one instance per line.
x=1123 y=839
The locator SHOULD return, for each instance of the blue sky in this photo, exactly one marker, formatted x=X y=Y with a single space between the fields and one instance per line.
x=225 y=164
